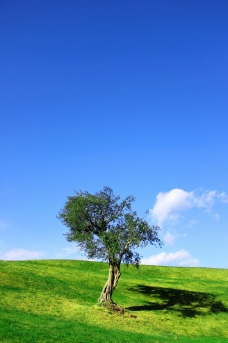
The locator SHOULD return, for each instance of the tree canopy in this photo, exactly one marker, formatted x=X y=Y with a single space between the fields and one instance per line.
x=108 y=229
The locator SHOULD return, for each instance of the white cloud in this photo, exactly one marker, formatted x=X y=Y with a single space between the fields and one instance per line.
x=169 y=238
x=169 y=205
x=180 y=258
x=191 y=223
x=21 y=254
x=71 y=250
x=206 y=199
x=223 y=197
x=216 y=216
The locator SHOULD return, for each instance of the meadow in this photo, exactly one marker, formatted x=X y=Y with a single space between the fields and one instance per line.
x=56 y=301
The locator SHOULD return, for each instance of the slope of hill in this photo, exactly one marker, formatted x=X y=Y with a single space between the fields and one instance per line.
x=55 y=301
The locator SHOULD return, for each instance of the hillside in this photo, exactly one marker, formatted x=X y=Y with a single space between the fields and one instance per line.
x=55 y=301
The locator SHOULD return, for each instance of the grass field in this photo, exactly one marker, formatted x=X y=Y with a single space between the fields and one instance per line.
x=55 y=301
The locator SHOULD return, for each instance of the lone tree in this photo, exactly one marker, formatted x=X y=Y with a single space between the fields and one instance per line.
x=107 y=229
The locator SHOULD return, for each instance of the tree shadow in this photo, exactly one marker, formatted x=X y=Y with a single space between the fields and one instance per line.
x=186 y=303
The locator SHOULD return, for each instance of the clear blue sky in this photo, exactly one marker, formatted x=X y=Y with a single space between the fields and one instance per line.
x=129 y=94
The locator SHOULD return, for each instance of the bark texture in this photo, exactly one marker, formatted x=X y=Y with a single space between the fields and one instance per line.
x=113 y=278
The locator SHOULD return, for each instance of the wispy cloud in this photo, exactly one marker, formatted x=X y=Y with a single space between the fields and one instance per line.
x=21 y=254
x=169 y=238
x=180 y=258
x=73 y=250
x=223 y=197
x=169 y=205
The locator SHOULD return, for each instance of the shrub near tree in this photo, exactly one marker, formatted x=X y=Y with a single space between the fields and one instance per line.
x=107 y=229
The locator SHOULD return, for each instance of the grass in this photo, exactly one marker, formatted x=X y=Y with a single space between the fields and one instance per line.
x=55 y=301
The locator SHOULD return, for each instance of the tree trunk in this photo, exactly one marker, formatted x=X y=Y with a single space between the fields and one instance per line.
x=113 y=277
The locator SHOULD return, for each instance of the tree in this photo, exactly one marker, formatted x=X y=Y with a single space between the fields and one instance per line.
x=107 y=229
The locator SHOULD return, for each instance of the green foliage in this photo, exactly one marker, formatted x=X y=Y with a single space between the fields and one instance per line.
x=106 y=228
x=53 y=301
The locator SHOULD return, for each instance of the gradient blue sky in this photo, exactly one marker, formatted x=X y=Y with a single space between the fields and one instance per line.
x=129 y=94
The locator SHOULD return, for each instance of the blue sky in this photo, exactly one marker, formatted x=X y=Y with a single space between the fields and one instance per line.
x=128 y=94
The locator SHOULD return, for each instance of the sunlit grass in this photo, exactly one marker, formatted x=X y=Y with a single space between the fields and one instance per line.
x=47 y=301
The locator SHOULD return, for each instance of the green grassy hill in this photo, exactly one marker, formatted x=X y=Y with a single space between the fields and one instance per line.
x=55 y=301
